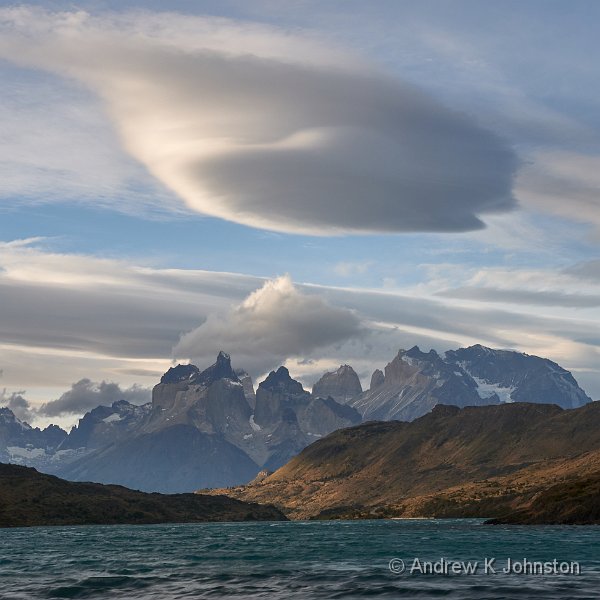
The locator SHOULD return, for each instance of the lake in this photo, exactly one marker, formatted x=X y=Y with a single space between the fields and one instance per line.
x=334 y=559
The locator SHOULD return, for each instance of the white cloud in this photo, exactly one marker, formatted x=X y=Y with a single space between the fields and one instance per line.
x=348 y=268
x=271 y=129
x=272 y=324
x=19 y=405
x=85 y=395
x=520 y=296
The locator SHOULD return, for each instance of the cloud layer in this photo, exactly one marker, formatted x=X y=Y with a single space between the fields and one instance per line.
x=272 y=130
x=67 y=317
x=565 y=184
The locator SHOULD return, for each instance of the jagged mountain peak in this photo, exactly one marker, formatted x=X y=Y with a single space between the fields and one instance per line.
x=281 y=380
x=121 y=404
x=342 y=385
x=6 y=413
x=7 y=416
x=180 y=373
x=480 y=348
x=416 y=353
x=377 y=379
x=221 y=369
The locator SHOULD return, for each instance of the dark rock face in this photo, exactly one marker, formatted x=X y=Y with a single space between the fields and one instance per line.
x=276 y=393
x=342 y=385
x=324 y=415
x=416 y=381
x=220 y=370
x=377 y=379
x=279 y=399
x=281 y=381
x=248 y=386
x=180 y=373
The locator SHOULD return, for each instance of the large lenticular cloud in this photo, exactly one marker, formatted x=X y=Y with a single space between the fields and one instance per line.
x=272 y=130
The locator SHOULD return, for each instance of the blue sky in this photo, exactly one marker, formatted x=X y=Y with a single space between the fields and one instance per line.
x=437 y=158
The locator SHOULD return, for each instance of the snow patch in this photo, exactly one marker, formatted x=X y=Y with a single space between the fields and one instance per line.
x=112 y=418
x=232 y=383
x=254 y=426
x=28 y=453
x=486 y=390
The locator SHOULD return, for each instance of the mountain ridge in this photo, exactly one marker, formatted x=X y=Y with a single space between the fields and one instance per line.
x=29 y=498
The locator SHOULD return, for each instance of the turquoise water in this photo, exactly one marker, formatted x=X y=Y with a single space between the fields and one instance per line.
x=292 y=560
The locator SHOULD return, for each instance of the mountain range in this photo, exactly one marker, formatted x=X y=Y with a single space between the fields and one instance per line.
x=210 y=428
x=414 y=382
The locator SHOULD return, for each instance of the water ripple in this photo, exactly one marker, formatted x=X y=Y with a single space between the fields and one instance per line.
x=287 y=561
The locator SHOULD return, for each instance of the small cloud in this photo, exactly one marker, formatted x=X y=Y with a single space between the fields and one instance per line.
x=347 y=269
x=18 y=404
x=141 y=372
x=86 y=395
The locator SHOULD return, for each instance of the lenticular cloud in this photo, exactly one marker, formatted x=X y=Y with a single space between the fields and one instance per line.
x=271 y=130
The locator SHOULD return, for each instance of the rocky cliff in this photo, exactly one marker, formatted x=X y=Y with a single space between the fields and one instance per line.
x=342 y=385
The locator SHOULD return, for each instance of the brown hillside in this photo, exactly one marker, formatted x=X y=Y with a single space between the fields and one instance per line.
x=451 y=462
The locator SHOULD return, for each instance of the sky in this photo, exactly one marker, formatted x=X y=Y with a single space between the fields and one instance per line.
x=308 y=183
